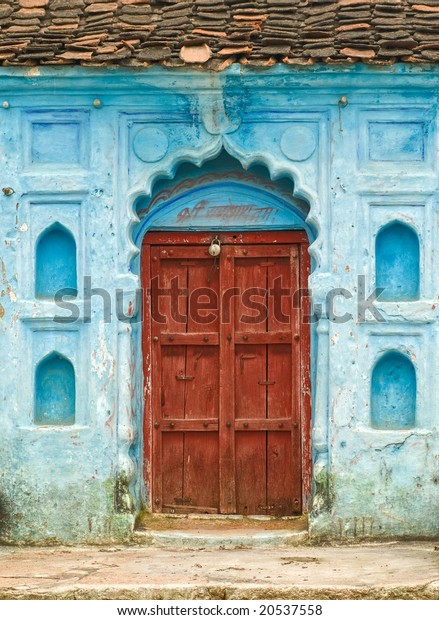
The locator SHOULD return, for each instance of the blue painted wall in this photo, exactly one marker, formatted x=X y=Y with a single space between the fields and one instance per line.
x=108 y=154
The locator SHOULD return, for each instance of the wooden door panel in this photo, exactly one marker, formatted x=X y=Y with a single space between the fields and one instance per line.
x=227 y=377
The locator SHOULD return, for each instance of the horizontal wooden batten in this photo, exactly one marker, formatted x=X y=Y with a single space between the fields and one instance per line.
x=198 y=338
x=261 y=251
x=196 y=424
x=226 y=238
x=185 y=508
x=264 y=424
x=263 y=337
x=184 y=254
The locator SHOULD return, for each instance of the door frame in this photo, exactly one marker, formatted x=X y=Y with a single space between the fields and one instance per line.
x=200 y=238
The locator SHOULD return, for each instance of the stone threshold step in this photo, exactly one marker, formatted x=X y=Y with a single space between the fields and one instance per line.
x=163 y=521
x=240 y=538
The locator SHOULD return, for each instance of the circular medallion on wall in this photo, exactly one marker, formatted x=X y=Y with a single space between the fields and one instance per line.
x=150 y=144
x=298 y=142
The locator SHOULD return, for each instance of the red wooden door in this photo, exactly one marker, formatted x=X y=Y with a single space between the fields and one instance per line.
x=227 y=373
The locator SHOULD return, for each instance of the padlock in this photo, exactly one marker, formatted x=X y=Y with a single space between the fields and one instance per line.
x=215 y=247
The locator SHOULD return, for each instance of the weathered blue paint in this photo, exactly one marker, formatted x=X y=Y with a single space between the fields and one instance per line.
x=55 y=265
x=55 y=143
x=100 y=173
x=55 y=391
x=393 y=398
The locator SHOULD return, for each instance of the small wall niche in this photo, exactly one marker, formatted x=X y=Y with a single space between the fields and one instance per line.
x=55 y=392
x=393 y=393
x=55 y=262
x=397 y=263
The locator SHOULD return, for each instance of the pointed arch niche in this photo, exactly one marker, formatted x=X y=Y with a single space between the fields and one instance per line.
x=55 y=391
x=55 y=263
x=397 y=262
x=221 y=195
x=393 y=392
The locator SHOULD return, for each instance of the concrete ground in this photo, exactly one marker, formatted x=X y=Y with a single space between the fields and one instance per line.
x=408 y=570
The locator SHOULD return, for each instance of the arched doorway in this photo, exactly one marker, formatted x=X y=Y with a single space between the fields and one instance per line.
x=226 y=347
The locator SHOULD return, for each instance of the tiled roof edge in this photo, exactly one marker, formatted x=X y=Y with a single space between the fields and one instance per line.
x=214 y=34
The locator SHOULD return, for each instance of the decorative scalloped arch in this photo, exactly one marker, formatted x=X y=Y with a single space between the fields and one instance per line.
x=167 y=169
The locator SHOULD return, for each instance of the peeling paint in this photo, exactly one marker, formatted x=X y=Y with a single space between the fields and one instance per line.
x=33 y=72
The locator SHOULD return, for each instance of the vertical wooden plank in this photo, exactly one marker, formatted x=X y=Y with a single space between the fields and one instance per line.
x=305 y=352
x=280 y=365
x=279 y=356
x=251 y=304
x=201 y=450
x=148 y=428
x=171 y=390
x=226 y=391
x=201 y=471
x=283 y=483
x=203 y=287
x=281 y=478
x=250 y=402
x=251 y=472
x=156 y=381
x=172 y=468
x=250 y=387
x=279 y=300
x=202 y=397
x=168 y=362
x=173 y=298
x=296 y=375
x=202 y=392
x=250 y=369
